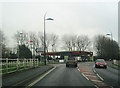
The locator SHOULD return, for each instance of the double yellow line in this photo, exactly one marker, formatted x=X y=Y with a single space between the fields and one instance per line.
x=33 y=83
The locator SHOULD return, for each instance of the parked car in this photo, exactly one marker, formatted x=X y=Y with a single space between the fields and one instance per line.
x=100 y=63
x=71 y=61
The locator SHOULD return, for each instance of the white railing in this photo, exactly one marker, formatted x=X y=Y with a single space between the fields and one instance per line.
x=12 y=65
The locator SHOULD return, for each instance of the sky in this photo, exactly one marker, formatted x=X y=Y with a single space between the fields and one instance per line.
x=88 y=17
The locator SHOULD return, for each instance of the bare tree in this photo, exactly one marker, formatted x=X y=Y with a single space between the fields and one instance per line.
x=21 y=37
x=34 y=38
x=82 y=42
x=54 y=40
x=41 y=37
x=67 y=44
x=73 y=41
x=4 y=51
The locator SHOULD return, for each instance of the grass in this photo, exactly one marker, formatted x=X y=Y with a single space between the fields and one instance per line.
x=12 y=67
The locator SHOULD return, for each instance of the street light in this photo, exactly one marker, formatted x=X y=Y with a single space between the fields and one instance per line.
x=45 y=38
x=112 y=43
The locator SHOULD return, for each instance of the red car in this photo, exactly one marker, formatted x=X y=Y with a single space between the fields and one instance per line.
x=100 y=63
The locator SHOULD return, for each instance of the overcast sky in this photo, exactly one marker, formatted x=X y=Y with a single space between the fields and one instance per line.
x=88 y=18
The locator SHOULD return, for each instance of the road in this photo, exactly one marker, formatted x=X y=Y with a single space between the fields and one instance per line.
x=84 y=75
x=110 y=75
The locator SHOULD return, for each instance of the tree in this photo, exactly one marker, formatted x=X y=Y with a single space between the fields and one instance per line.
x=106 y=48
x=73 y=42
x=67 y=44
x=21 y=37
x=82 y=42
x=54 y=40
x=4 y=51
x=24 y=52
x=41 y=37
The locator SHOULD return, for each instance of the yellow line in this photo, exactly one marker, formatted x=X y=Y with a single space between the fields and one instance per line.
x=33 y=83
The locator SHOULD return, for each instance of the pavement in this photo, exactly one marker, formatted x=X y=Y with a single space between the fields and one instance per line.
x=110 y=64
x=22 y=77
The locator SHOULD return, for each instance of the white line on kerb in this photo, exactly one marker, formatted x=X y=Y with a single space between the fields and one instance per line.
x=100 y=77
x=85 y=76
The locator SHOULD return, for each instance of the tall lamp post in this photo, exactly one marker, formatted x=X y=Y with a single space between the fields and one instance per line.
x=45 y=38
x=112 y=43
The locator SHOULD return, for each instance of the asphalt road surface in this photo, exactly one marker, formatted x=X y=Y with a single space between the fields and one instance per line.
x=84 y=75
x=110 y=75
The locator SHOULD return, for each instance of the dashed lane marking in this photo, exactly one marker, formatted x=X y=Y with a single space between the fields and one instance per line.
x=100 y=77
x=33 y=83
x=85 y=76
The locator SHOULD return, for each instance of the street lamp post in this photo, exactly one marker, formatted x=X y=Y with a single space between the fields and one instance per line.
x=112 y=44
x=45 y=38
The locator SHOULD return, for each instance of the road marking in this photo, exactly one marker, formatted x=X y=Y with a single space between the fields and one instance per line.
x=85 y=76
x=33 y=83
x=96 y=81
x=111 y=86
x=94 y=70
x=91 y=75
x=100 y=77
x=96 y=86
x=78 y=69
x=87 y=72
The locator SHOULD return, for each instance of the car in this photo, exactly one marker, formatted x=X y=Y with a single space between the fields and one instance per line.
x=100 y=63
x=71 y=61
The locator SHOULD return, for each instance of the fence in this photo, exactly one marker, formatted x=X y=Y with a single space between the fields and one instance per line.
x=12 y=65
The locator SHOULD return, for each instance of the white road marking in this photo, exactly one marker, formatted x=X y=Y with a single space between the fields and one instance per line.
x=100 y=77
x=111 y=86
x=91 y=75
x=85 y=76
x=78 y=70
x=96 y=81
x=87 y=72
x=94 y=70
x=96 y=86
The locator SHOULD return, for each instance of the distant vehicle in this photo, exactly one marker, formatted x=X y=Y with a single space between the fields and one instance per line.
x=100 y=63
x=79 y=59
x=71 y=61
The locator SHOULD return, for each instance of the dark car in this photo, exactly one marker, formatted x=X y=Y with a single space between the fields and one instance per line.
x=71 y=61
x=100 y=63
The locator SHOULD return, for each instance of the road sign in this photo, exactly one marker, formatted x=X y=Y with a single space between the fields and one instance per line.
x=31 y=42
